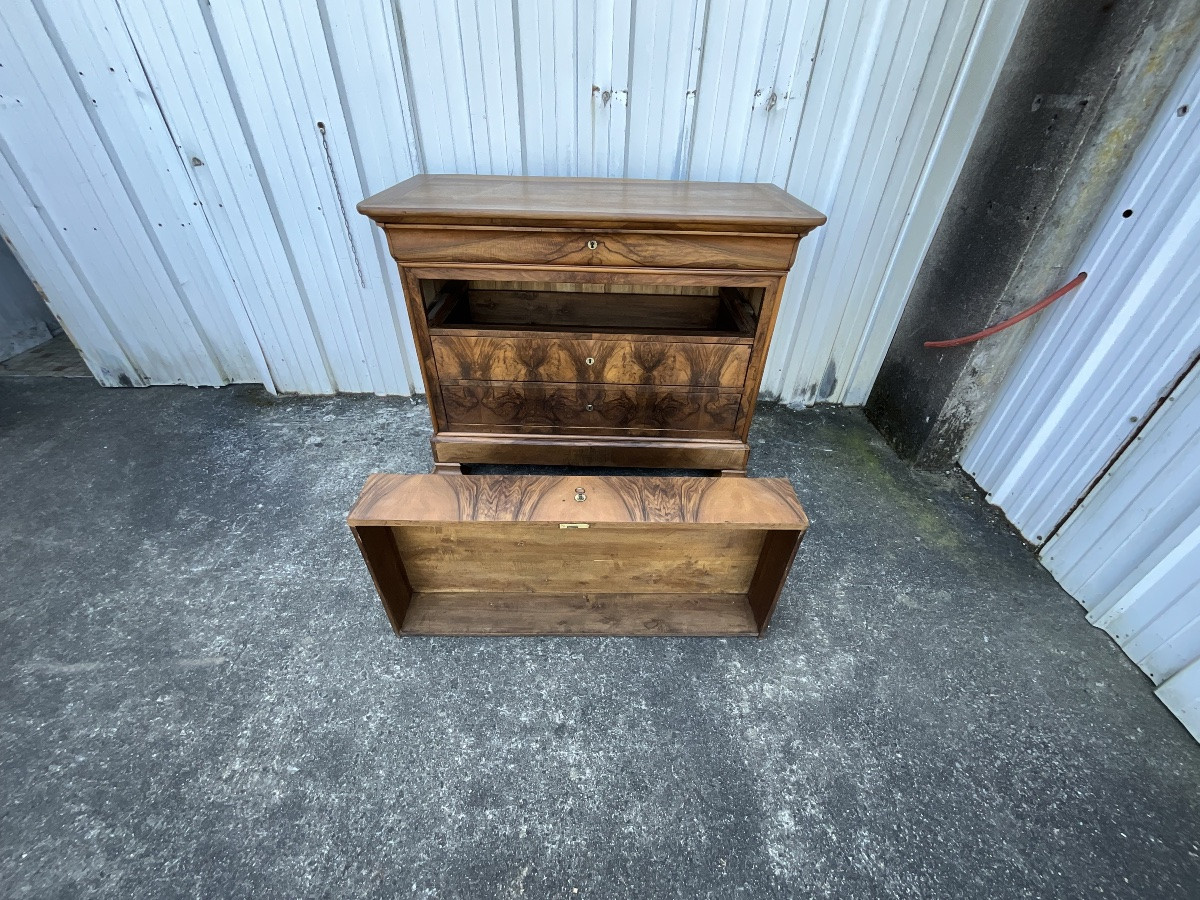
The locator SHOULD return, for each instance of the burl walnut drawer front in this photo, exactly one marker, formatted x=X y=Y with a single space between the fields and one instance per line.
x=649 y=362
x=539 y=407
x=631 y=249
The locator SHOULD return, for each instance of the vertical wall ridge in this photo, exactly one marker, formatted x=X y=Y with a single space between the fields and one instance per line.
x=843 y=105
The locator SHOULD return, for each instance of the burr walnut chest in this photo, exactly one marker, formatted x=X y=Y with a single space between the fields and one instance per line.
x=591 y=321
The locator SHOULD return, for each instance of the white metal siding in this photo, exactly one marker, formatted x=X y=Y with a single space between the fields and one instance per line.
x=1094 y=370
x=1098 y=360
x=1131 y=552
x=164 y=177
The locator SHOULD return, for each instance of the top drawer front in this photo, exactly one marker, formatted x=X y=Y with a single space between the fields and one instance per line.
x=628 y=249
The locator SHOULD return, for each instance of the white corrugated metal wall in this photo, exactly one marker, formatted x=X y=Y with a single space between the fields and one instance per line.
x=1088 y=388
x=181 y=181
x=1131 y=552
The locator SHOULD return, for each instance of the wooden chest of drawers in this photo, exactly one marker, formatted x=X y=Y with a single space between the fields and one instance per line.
x=591 y=321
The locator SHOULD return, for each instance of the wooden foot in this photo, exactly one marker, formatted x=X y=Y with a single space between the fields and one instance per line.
x=441 y=468
x=733 y=473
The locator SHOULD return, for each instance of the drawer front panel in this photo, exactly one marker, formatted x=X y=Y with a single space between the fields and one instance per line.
x=569 y=248
x=565 y=360
x=543 y=407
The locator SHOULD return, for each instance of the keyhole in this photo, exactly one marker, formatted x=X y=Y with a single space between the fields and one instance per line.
x=592 y=245
x=580 y=494
x=588 y=407
x=590 y=360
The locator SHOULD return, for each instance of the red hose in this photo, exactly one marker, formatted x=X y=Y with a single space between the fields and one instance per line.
x=1007 y=323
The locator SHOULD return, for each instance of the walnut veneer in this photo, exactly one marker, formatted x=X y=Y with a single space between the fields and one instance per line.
x=591 y=321
x=601 y=555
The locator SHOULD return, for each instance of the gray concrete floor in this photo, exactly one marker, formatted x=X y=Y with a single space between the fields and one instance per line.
x=201 y=696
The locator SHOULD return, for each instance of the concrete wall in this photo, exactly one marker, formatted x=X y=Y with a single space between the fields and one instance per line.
x=1077 y=94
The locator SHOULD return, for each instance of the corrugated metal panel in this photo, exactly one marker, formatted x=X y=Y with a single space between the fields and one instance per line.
x=1131 y=552
x=1098 y=362
x=154 y=178
x=206 y=119
x=1182 y=696
x=205 y=124
x=64 y=172
x=1093 y=372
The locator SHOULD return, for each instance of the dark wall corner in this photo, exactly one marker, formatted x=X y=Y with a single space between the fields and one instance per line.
x=1078 y=91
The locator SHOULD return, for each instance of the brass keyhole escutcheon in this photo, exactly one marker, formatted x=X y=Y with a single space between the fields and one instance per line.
x=589 y=407
x=590 y=360
x=593 y=244
x=580 y=495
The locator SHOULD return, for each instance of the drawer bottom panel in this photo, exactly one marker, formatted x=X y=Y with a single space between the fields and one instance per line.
x=485 y=444
x=553 y=408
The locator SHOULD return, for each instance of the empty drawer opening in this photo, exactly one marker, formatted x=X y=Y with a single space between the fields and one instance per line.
x=570 y=306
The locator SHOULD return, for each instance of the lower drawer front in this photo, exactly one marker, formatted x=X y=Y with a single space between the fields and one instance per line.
x=548 y=407
x=695 y=365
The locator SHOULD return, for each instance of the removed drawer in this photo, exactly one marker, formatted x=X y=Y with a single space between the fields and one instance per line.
x=686 y=250
x=537 y=407
x=530 y=554
x=641 y=362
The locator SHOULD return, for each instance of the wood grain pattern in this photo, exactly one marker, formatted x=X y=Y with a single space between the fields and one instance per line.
x=777 y=554
x=463 y=554
x=378 y=547
x=592 y=334
x=591 y=202
x=575 y=311
x=768 y=503
x=460 y=556
x=608 y=614
x=553 y=359
x=499 y=271
x=532 y=407
x=661 y=245
x=758 y=359
x=657 y=452
x=578 y=287
x=412 y=245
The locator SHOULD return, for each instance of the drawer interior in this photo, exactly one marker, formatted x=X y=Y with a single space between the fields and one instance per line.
x=579 y=554
x=475 y=578
x=595 y=308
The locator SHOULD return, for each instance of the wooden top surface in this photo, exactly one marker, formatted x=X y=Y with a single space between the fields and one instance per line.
x=591 y=202
x=768 y=503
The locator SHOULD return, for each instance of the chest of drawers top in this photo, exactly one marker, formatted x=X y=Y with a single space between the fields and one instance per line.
x=501 y=200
